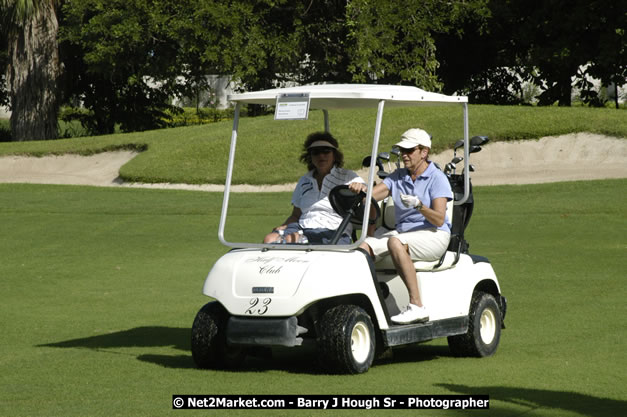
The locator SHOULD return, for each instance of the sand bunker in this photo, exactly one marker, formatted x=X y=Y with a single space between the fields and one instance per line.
x=580 y=156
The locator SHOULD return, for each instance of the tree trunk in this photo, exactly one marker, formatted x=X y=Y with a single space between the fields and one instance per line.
x=33 y=76
x=565 y=89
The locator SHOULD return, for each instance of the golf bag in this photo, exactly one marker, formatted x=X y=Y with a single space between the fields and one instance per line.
x=461 y=215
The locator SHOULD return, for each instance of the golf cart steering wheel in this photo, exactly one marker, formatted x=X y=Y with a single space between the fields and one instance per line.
x=347 y=203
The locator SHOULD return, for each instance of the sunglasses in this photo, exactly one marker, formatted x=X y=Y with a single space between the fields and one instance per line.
x=408 y=151
x=318 y=151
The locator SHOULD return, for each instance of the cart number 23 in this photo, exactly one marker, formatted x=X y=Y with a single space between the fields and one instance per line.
x=258 y=308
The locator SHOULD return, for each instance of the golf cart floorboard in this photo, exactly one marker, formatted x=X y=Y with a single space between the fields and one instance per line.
x=422 y=332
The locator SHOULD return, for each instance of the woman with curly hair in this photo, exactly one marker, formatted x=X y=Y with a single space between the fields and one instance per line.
x=312 y=212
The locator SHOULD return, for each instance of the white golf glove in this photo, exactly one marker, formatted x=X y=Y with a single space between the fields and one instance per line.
x=411 y=201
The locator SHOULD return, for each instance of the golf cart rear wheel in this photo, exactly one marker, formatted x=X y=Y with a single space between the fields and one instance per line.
x=346 y=341
x=209 y=348
x=484 y=328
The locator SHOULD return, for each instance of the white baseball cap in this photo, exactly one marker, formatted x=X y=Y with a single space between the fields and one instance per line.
x=414 y=137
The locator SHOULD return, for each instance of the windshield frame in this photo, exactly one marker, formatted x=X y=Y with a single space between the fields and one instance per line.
x=381 y=101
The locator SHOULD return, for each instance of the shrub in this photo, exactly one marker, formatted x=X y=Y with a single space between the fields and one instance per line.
x=191 y=116
x=5 y=131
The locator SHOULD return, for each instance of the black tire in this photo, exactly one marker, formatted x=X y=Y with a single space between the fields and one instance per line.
x=484 y=328
x=209 y=348
x=346 y=340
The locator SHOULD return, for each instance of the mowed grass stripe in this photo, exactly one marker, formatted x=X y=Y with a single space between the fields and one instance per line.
x=100 y=286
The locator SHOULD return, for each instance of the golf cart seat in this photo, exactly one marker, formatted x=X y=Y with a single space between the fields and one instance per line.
x=447 y=261
x=387 y=219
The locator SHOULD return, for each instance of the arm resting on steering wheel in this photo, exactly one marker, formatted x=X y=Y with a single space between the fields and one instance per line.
x=379 y=192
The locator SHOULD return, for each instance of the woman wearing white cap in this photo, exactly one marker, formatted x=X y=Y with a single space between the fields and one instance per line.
x=420 y=192
x=312 y=212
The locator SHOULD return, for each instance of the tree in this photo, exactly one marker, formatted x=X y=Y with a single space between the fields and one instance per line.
x=322 y=41
x=5 y=98
x=394 y=42
x=128 y=58
x=34 y=68
x=121 y=62
x=557 y=37
x=607 y=53
x=543 y=41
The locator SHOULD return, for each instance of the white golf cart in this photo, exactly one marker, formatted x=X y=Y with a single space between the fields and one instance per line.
x=335 y=296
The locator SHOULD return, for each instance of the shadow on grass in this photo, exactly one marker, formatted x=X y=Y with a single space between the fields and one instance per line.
x=149 y=336
x=583 y=404
x=179 y=338
x=142 y=337
x=420 y=353
x=300 y=360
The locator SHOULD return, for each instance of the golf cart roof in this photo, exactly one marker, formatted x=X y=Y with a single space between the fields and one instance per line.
x=330 y=96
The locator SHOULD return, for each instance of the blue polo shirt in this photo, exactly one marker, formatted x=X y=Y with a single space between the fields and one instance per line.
x=428 y=186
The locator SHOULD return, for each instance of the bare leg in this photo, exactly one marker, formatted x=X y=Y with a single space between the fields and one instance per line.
x=271 y=237
x=405 y=267
x=291 y=238
x=367 y=248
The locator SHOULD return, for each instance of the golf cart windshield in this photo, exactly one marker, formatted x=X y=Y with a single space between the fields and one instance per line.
x=295 y=102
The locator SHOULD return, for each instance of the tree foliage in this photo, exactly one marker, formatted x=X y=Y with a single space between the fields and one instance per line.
x=121 y=62
x=132 y=57
x=546 y=42
x=394 y=42
x=125 y=60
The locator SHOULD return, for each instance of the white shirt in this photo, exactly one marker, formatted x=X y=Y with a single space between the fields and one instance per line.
x=314 y=203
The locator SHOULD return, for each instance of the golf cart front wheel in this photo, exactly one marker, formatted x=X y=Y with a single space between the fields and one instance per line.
x=347 y=340
x=484 y=328
x=209 y=348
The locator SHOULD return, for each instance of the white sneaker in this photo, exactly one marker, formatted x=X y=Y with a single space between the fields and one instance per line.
x=411 y=314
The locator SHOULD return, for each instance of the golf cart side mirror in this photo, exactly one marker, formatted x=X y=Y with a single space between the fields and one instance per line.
x=479 y=140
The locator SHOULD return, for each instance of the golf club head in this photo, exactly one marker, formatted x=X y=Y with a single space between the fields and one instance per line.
x=368 y=160
x=458 y=144
x=397 y=152
x=382 y=174
x=471 y=168
x=457 y=160
x=474 y=149
x=385 y=156
x=479 y=140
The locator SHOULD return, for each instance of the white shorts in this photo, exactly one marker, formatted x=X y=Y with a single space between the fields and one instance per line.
x=424 y=245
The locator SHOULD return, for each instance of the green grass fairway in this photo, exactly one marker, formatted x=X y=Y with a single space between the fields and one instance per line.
x=99 y=288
